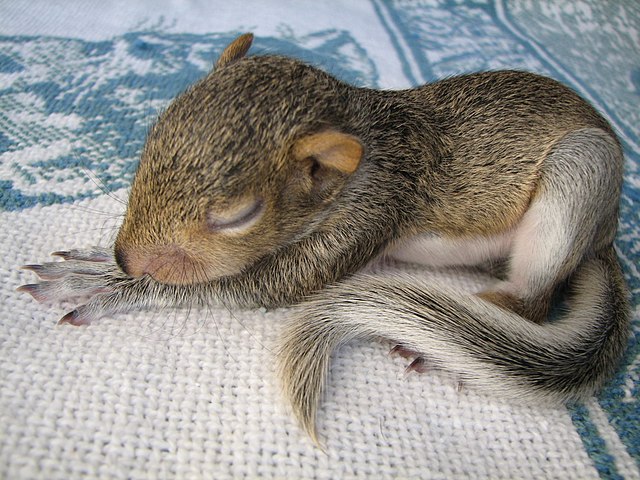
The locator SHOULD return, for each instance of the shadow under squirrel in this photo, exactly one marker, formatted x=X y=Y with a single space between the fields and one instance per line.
x=270 y=183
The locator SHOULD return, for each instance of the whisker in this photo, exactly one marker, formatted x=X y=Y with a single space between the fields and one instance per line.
x=219 y=333
x=101 y=185
x=253 y=337
x=233 y=316
x=205 y=300
x=96 y=211
x=157 y=328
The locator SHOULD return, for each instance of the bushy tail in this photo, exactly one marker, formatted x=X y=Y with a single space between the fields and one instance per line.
x=487 y=346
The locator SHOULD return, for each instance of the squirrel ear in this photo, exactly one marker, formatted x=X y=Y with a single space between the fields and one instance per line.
x=235 y=50
x=331 y=149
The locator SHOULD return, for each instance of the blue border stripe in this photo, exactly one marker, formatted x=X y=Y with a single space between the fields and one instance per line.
x=406 y=68
x=595 y=446
x=560 y=72
x=413 y=42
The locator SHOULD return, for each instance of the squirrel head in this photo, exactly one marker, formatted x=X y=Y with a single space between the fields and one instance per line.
x=244 y=162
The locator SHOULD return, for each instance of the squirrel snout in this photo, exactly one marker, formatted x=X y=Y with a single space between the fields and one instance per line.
x=134 y=265
x=168 y=264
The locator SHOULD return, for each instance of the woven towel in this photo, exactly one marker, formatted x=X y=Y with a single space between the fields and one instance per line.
x=192 y=394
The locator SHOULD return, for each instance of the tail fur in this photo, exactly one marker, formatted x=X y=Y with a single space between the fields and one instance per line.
x=490 y=348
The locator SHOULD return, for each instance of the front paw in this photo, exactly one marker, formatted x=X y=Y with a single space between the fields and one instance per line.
x=90 y=275
x=82 y=273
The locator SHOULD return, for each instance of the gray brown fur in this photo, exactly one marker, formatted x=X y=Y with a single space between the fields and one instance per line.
x=467 y=157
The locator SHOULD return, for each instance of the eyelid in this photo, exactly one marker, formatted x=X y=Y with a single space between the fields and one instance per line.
x=237 y=219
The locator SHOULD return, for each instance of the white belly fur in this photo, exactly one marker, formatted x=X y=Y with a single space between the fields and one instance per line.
x=435 y=251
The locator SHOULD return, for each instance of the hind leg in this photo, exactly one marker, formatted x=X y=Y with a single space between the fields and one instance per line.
x=573 y=214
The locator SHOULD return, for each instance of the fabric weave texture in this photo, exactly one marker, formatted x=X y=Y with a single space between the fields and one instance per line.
x=192 y=393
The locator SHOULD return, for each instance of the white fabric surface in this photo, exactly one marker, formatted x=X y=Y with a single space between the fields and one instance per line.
x=193 y=394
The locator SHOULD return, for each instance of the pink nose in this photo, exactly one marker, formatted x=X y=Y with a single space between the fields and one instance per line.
x=165 y=264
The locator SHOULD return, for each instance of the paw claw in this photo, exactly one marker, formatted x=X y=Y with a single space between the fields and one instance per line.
x=402 y=351
x=396 y=350
x=32 y=267
x=419 y=365
x=34 y=290
x=73 y=318
x=45 y=272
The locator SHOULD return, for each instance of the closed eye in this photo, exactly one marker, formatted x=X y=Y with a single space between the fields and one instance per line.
x=236 y=219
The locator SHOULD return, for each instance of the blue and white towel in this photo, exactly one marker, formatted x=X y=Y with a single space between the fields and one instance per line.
x=193 y=394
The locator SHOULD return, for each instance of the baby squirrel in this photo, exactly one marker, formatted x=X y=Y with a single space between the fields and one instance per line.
x=270 y=183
